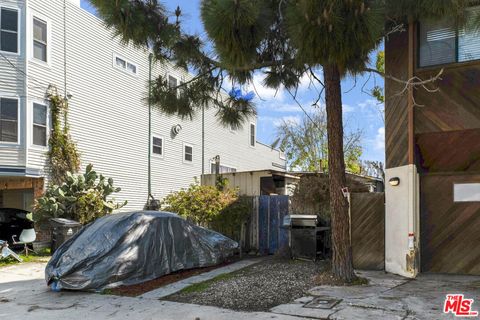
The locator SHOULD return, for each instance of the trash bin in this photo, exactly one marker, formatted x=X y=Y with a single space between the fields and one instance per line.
x=63 y=229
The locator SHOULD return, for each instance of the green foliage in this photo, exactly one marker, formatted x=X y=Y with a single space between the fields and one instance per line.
x=63 y=156
x=82 y=197
x=377 y=91
x=221 y=210
x=306 y=147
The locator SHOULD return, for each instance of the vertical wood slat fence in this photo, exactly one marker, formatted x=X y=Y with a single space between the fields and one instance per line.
x=263 y=232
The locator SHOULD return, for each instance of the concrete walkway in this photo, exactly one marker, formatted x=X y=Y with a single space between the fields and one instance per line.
x=386 y=297
x=182 y=284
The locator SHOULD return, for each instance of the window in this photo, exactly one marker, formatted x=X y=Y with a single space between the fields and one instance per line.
x=172 y=82
x=125 y=65
x=252 y=135
x=441 y=43
x=39 y=125
x=223 y=169
x=187 y=153
x=8 y=30
x=8 y=120
x=39 y=39
x=157 y=145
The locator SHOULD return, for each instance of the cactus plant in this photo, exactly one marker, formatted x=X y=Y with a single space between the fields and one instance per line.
x=82 y=197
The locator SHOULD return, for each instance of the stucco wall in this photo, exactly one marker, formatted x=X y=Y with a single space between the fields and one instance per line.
x=401 y=218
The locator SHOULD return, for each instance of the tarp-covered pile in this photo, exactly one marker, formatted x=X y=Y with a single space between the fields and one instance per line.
x=134 y=247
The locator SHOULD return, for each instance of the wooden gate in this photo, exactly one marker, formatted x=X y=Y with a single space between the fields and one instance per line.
x=368 y=230
x=449 y=230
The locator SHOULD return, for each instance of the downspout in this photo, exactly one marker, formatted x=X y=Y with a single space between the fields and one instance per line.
x=203 y=140
x=150 y=58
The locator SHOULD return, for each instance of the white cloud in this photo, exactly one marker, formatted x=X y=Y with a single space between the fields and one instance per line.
x=379 y=142
x=347 y=108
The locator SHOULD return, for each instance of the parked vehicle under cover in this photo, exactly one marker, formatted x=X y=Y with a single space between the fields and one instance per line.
x=12 y=222
x=134 y=247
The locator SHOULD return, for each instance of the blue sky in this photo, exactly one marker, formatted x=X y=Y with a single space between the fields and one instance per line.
x=361 y=111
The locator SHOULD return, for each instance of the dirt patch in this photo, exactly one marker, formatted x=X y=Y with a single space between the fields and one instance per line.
x=326 y=278
x=256 y=288
x=141 y=288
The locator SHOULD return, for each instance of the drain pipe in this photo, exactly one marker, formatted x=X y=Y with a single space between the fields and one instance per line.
x=150 y=58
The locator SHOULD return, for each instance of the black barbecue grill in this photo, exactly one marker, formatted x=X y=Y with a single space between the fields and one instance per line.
x=309 y=236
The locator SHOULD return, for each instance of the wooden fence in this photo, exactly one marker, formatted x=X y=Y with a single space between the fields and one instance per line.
x=263 y=233
x=368 y=230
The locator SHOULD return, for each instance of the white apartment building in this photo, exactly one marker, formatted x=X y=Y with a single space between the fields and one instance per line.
x=55 y=42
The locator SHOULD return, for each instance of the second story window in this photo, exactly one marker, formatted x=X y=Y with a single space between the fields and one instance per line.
x=440 y=42
x=172 y=83
x=8 y=120
x=157 y=146
x=8 y=30
x=40 y=39
x=187 y=153
x=252 y=135
x=39 y=131
x=125 y=65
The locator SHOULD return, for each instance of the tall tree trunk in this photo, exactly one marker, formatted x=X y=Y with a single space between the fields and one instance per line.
x=342 y=262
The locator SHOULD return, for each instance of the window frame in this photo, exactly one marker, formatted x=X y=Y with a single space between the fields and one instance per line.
x=13 y=143
x=434 y=66
x=47 y=124
x=162 y=154
x=46 y=43
x=184 y=145
x=34 y=15
x=254 y=135
x=127 y=62
x=19 y=29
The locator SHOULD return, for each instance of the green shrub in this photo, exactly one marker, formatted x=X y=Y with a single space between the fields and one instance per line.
x=221 y=210
x=82 y=197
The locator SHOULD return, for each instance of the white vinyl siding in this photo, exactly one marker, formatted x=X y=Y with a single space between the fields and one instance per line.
x=40 y=39
x=108 y=113
x=40 y=125
x=9 y=117
x=9 y=26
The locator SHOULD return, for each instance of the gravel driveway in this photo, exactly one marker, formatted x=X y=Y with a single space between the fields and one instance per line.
x=259 y=287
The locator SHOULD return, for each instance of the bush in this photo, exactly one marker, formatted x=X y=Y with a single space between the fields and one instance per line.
x=83 y=197
x=221 y=210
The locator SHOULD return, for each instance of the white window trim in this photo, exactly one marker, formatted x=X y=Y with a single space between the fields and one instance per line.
x=19 y=30
x=39 y=16
x=179 y=80
x=30 y=124
x=224 y=165
x=19 y=122
x=156 y=155
x=250 y=135
x=127 y=61
x=183 y=153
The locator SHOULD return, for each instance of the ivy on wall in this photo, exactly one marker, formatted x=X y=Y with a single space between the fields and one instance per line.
x=63 y=155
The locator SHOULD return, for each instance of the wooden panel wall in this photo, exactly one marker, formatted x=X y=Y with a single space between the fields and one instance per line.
x=456 y=106
x=368 y=230
x=450 y=237
x=396 y=105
